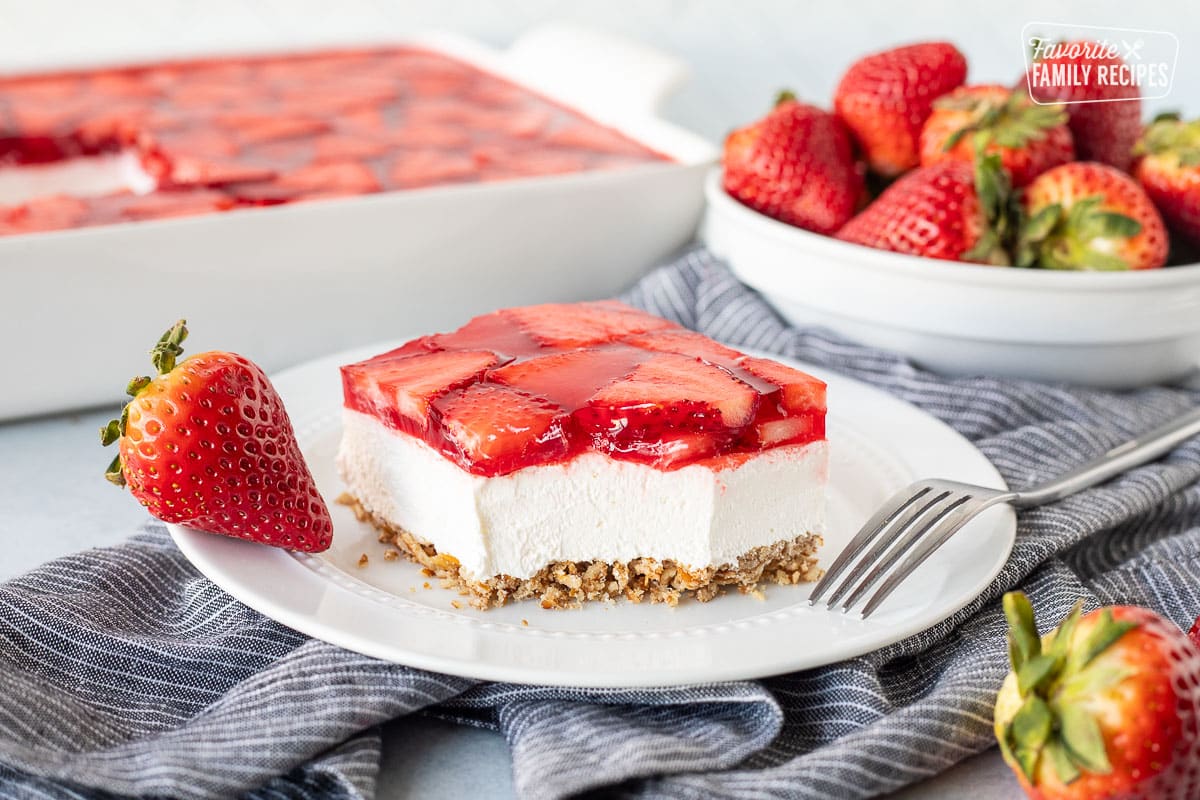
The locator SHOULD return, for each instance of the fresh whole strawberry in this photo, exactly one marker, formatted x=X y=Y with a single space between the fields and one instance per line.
x=1168 y=168
x=796 y=165
x=1090 y=216
x=208 y=444
x=948 y=210
x=885 y=98
x=1106 y=706
x=1105 y=117
x=1029 y=138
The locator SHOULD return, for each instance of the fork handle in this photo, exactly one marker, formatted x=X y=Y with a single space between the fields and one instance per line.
x=1133 y=453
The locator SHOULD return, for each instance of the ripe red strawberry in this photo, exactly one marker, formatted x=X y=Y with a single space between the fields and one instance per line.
x=948 y=210
x=1090 y=216
x=1105 y=706
x=1194 y=633
x=1029 y=139
x=885 y=98
x=1105 y=117
x=796 y=165
x=207 y=443
x=1168 y=168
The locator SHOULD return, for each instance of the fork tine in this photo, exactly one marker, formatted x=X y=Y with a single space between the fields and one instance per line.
x=951 y=502
x=889 y=536
x=947 y=528
x=889 y=511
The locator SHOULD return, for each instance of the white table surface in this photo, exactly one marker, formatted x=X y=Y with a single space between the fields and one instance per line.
x=54 y=500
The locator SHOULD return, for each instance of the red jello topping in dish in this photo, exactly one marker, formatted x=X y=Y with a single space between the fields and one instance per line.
x=541 y=384
x=237 y=132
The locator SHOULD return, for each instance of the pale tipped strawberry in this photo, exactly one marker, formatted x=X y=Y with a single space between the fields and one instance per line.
x=1105 y=707
x=1105 y=116
x=796 y=165
x=207 y=443
x=1168 y=168
x=948 y=210
x=885 y=98
x=1028 y=138
x=1090 y=216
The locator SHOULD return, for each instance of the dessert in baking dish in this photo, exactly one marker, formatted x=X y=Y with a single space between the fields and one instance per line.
x=587 y=451
x=217 y=134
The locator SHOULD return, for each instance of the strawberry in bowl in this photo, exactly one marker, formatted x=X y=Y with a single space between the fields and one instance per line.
x=885 y=98
x=1168 y=168
x=1088 y=215
x=795 y=165
x=207 y=443
x=1029 y=139
x=1079 y=240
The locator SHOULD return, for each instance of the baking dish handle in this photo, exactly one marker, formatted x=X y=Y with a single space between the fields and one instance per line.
x=599 y=70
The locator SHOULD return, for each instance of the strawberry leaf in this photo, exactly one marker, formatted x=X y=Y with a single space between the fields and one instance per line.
x=1060 y=759
x=1031 y=728
x=1110 y=224
x=1024 y=642
x=1082 y=737
x=169 y=347
x=1106 y=632
x=1036 y=672
x=114 y=474
x=110 y=432
x=1090 y=258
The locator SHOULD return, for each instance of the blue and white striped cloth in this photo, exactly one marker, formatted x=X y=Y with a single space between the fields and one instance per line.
x=124 y=672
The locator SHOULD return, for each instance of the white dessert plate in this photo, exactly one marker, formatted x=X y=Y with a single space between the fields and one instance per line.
x=878 y=445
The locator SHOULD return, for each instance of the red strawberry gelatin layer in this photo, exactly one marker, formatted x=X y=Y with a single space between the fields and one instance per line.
x=226 y=133
x=541 y=384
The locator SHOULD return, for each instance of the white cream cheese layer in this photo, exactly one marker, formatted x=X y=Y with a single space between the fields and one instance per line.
x=591 y=508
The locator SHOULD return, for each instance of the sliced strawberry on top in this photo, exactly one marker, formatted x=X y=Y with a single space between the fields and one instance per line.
x=799 y=391
x=417 y=168
x=571 y=377
x=164 y=204
x=652 y=413
x=253 y=128
x=350 y=176
x=399 y=390
x=190 y=171
x=689 y=343
x=490 y=429
x=592 y=138
x=581 y=324
x=49 y=213
x=494 y=332
x=342 y=146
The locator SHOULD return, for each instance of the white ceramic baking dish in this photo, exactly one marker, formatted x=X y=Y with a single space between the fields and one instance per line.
x=1115 y=330
x=79 y=308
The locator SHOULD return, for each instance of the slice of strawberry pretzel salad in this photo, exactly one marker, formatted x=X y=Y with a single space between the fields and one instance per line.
x=586 y=452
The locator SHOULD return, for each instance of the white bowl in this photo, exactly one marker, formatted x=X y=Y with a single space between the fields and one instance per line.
x=1112 y=329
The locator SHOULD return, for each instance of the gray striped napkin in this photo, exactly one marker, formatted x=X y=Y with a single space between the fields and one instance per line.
x=124 y=672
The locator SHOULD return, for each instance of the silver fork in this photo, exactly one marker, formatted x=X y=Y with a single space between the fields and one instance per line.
x=919 y=519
